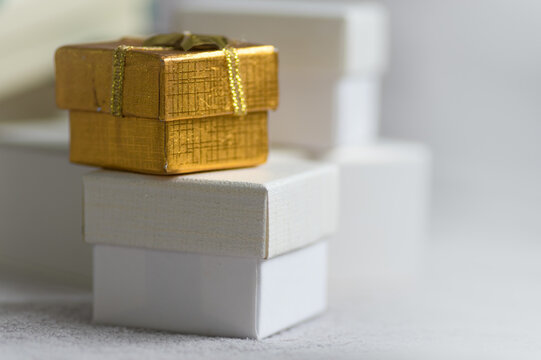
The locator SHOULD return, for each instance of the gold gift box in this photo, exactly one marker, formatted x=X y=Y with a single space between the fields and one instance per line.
x=177 y=111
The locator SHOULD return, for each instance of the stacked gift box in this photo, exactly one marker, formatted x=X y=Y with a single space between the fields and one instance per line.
x=238 y=252
x=333 y=58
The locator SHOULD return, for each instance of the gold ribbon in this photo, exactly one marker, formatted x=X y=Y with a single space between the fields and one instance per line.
x=181 y=42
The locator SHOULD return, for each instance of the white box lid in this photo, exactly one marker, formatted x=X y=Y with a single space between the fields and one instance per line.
x=261 y=212
x=340 y=38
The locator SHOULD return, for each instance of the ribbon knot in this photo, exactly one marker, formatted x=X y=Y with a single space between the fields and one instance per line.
x=188 y=41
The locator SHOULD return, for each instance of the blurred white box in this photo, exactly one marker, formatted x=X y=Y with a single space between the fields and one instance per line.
x=332 y=56
x=262 y=211
x=321 y=112
x=384 y=214
x=41 y=204
x=213 y=295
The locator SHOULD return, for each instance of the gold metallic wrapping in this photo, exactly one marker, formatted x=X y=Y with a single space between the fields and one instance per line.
x=164 y=84
x=168 y=147
x=177 y=110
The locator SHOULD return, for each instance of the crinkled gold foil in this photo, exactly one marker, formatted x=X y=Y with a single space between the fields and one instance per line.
x=168 y=147
x=164 y=84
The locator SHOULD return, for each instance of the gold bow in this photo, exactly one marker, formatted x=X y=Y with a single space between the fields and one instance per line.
x=188 y=41
x=181 y=42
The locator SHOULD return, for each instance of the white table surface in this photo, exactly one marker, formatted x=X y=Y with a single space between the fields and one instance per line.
x=476 y=301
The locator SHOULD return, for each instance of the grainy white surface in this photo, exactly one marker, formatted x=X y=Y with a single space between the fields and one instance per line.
x=476 y=302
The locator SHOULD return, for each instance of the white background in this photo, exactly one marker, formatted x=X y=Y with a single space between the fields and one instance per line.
x=465 y=78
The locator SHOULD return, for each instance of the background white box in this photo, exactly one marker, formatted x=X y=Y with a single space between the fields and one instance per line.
x=321 y=111
x=261 y=212
x=40 y=204
x=207 y=294
x=384 y=214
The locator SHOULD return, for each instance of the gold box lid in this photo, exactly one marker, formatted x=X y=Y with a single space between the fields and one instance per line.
x=163 y=83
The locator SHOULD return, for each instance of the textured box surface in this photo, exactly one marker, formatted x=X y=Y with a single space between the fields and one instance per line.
x=323 y=36
x=168 y=147
x=208 y=294
x=260 y=212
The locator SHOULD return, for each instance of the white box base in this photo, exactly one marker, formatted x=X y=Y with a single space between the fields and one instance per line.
x=207 y=294
x=384 y=211
x=41 y=205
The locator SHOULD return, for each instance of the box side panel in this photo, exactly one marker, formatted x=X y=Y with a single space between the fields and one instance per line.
x=292 y=288
x=302 y=208
x=197 y=85
x=126 y=143
x=175 y=213
x=83 y=78
x=218 y=142
x=141 y=93
x=189 y=293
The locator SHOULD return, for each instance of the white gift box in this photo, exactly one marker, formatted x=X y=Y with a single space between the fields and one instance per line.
x=332 y=56
x=258 y=212
x=384 y=214
x=41 y=202
x=204 y=294
x=238 y=253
